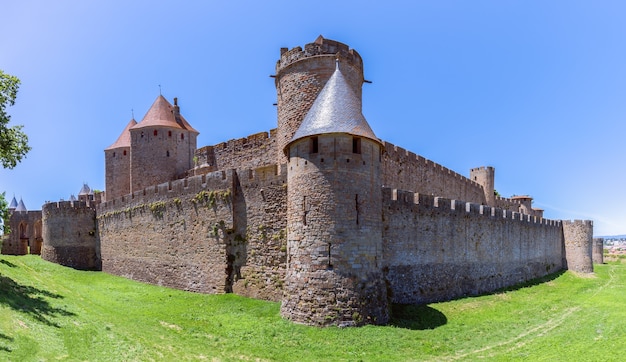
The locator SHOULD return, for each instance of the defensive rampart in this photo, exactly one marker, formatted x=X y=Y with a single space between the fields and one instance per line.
x=438 y=249
x=244 y=153
x=405 y=170
x=177 y=234
x=70 y=234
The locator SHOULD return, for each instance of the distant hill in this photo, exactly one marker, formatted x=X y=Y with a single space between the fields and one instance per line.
x=623 y=236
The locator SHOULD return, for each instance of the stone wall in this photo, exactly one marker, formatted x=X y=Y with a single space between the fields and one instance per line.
x=578 y=235
x=250 y=152
x=26 y=234
x=178 y=234
x=437 y=249
x=70 y=234
x=598 y=251
x=260 y=210
x=405 y=170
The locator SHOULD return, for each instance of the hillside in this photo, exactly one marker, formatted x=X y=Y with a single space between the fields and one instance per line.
x=49 y=312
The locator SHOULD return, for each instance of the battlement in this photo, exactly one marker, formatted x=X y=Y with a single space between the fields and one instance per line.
x=73 y=207
x=217 y=180
x=403 y=156
x=395 y=197
x=321 y=47
x=481 y=168
x=585 y=223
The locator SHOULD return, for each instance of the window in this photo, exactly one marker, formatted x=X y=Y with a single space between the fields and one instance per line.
x=314 y=145
x=156 y=132
x=113 y=154
x=182 y=136
x=124 y=152
x=167 y=154
x=169 y=133
x=356 y=145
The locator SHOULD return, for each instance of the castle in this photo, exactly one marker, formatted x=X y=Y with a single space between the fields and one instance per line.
x=318 y=214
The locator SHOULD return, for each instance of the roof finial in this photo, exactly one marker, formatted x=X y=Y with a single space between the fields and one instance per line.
x=160 y=90
x=132 y=113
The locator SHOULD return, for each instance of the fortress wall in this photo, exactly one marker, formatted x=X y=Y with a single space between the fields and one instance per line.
x=405 y=170
x=437 y=249
x=261 y=206
x=598 y=251
x=175 y=234
x=20 y=238
x=578 y=236
x=70 y=235
x=244 y=153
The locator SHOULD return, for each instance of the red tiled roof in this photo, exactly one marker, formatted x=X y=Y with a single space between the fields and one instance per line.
x=161 y=114
x=124 y=139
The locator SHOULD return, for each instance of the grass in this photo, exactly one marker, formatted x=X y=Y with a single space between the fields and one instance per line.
x=49 y=312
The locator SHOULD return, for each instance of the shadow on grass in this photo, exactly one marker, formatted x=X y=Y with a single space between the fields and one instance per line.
x=7 y=263
x=530 y=283
x=30 y=300
x=416 y=317
x=6 y=338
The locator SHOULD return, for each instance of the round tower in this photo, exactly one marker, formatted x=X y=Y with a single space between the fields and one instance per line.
x=485 y=176
x=578 y=237
x=334 y=215
x=117 y=164
x=301 y=75
x=162 y=146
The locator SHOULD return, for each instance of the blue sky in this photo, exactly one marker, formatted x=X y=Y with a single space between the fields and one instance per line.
x=534 y=88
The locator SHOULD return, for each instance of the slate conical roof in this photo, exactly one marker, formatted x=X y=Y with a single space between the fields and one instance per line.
x=335 y=110
x=21 y=207
x=13 y=204
x=85 y=190
x=124 y=139
x=163 y=114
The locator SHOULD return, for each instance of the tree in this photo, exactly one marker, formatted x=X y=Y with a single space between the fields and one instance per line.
x=13 y=142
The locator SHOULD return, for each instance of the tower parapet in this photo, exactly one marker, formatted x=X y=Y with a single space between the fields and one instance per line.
x=578 y=237
x=301 y=75
x=71 y=238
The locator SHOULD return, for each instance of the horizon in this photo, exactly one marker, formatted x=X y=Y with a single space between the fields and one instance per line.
x=534 y=89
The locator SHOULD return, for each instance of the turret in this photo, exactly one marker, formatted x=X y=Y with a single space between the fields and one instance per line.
x=301 y=75
x=484 y=176
x=578 y=239
x=117 y=164
x=334 y=215
x=162 y=146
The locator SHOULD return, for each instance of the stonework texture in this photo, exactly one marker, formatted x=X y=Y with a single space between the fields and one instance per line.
x=26 y=234
x=598 y=251
x=334 y=225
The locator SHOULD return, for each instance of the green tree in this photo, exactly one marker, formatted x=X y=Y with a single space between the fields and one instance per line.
x=13 y=142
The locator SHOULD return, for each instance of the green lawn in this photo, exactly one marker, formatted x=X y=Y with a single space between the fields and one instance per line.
x=49 y=312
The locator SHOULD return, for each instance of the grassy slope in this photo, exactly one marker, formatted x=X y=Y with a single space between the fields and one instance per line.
x=48 y=312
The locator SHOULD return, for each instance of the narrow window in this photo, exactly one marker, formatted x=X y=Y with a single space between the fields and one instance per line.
x=314 y=145
x=356 y=205
x=113 y=154
x=124 y=152
x=330 y=265
x=304 y=210
x=167 y=154
x=169 y=133
x=141 y=134
x=156 y=132
x=356 y=145
x=182 y=136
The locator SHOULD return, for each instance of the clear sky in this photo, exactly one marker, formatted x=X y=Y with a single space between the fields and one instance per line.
x=536 y=89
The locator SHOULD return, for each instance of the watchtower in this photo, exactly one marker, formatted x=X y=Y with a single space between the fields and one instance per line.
x=485 y=176
x=162 y=145
x=334 y=215
x=301 y=75
x=117 y=164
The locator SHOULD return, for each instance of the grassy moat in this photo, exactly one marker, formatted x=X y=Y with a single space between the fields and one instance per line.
x=49 y=312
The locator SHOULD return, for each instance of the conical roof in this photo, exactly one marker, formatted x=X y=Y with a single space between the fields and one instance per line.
x=124 y=139
x=85 y=190
x=335 y=110
x=21 y=207
x=163 y=114
x=13 y=203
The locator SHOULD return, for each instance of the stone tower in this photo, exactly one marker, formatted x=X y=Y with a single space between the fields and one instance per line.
x=485 y=176
x=301 y=75
x=578 y=240
x=162 y=146
x=334 y=215
x=117 y=164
